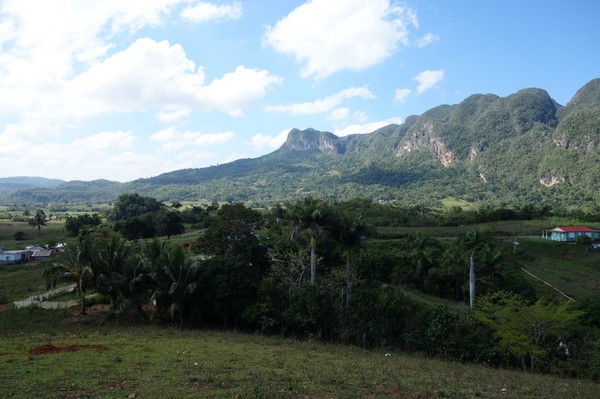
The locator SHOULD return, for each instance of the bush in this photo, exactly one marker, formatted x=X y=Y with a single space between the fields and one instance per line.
x=584 y=240
x=20 y=236
x=377 y=317
x=310 y=313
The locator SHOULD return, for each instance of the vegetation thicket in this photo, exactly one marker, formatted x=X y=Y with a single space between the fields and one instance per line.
x=313 y=269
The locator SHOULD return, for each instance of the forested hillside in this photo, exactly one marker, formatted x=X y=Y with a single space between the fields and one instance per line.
x=523 y=148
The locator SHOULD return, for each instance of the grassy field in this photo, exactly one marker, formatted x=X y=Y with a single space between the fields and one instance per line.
x=507 y=228
x=153 y=362
x=570 y=268
x=20 y=281
x=52 y=233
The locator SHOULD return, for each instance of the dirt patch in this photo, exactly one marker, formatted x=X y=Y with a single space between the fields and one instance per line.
x=94 y=312
x=51 y=349
x=4 y=308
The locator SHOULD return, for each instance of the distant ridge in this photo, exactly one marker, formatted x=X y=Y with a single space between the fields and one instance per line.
x=522 y=148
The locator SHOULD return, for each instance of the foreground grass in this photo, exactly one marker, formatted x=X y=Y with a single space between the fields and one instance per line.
x=154 y=362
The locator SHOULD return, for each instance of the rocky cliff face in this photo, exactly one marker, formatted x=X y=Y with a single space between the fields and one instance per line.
x=313 y=140
x=422 y=136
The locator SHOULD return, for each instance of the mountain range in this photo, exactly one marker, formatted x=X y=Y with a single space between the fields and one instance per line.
x=522 y=148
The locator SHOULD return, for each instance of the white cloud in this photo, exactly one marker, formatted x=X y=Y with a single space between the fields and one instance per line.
x=171 y=139
x=427 y=40
x=147 y=75
x=264 y=142
x=428 y=79
x=400 y=95
x=54 y=36
x=365 y=127
x=330 y=36
x=214 y=138
x=338 y=114
x=236 y=90
x=322 y=105
x=80 y=158
x=202 y=12
x=56 y=65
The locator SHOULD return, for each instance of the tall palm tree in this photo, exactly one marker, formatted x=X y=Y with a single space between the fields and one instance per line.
x=77 y=269
x=350 y=233
x=38 y=220
x=309 y=217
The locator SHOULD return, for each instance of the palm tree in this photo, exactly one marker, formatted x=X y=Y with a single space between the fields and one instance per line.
x=176 y=281
x=309 y=217
x=38 y=220
x=76 y=269
x=423 y=252
x=142 y=283
x=350 y=233
x=111 y=269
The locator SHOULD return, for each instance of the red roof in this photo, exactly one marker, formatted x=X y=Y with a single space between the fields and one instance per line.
x=573 y=229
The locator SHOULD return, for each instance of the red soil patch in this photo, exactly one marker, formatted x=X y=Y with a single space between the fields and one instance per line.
x=4 y=308
x=51 y=349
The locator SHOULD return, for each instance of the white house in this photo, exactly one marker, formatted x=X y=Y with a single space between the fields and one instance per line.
x=14 y=256
x=570 y=233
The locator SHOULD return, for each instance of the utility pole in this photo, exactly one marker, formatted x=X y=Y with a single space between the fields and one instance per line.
x=471 y=281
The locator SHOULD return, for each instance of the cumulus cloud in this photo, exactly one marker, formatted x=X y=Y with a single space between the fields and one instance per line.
x=330 y=36
x=262 y=142
x=59 y=63
x=400 y=95
x=365 y=127
x=237 y=89
x=428 y=79
x=150 y=76
x=171 y=139
x=53 y=37
x=203 y=11
x=323 y=104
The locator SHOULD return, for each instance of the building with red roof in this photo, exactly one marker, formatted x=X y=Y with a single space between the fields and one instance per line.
x=570 y=233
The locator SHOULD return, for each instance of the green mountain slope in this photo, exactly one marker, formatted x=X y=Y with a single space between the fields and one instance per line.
x=521 y=148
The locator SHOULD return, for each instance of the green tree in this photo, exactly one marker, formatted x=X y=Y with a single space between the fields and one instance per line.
x=111 y=269
x=38 y=220
x=526 y=330
x=169 y=223
x=233 y=232
x=175 y=281
x=76 y=269
x=130 y=206
x=73 y=224
x=350 y=233
x=309 y=218
x=137 y=227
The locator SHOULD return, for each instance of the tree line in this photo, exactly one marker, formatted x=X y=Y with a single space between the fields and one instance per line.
x=314 y=269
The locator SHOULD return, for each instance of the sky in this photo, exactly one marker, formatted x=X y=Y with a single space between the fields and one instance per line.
x=128 y=89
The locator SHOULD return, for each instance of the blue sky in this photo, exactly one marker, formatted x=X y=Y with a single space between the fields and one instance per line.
x=124 y=89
